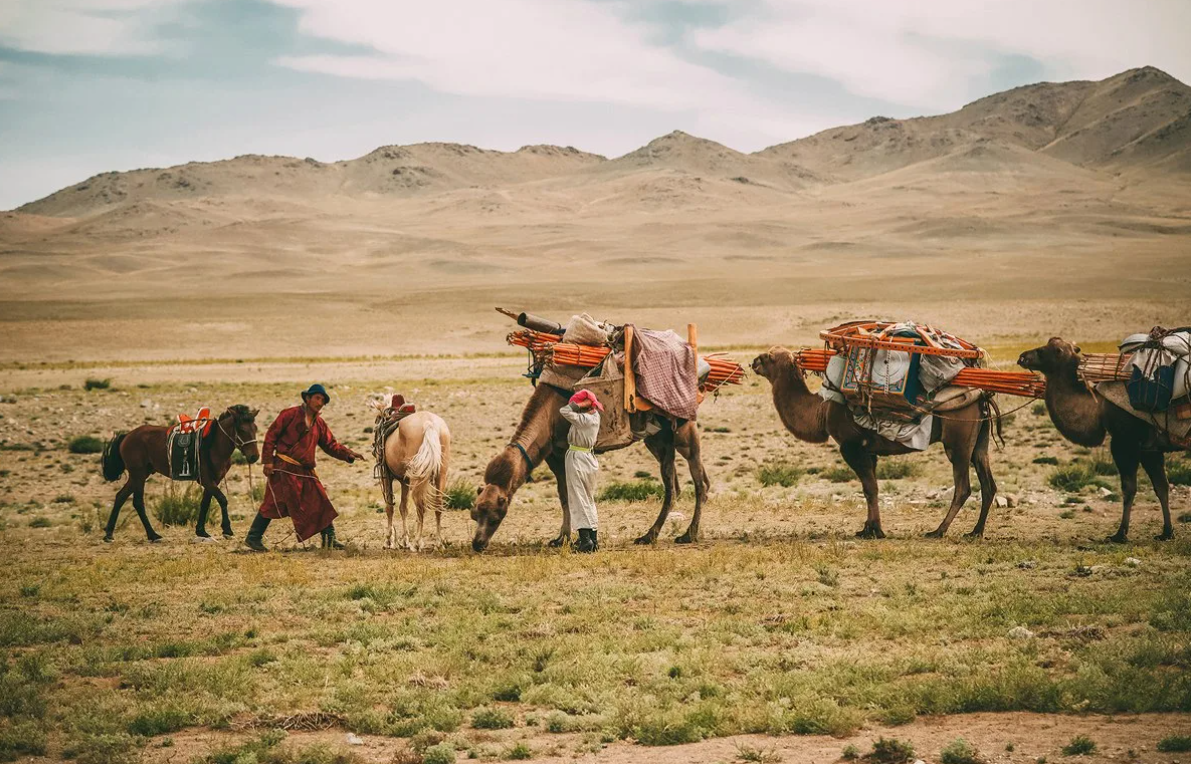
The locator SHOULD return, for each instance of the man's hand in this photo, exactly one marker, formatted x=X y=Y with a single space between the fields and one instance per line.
x=355 y=454
x=268 y=468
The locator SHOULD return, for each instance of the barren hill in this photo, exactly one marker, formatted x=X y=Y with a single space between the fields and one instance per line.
x=1075 y=192
x=1127 y=121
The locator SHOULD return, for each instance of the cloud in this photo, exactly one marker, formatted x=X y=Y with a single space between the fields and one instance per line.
x=542 y=49
x=939 y=55
x=84 y=27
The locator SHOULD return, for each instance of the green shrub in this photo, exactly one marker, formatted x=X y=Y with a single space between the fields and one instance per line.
x=519 y=752
x=443 y=753
x=1038 y=409
x=838 y=474
x=85 y=444
x=889 y=470
x=1175 y=744
x=960 y=751
x=460 y=495
x=850 y=753
x=491 y=719
x=779 y=473
x=40 y=522
x=97 y=384
x=1079 y=746
x=21 y=739
x=890 y=751
x=1178 y=473
x=159 y=721
x=178 y=507
x=1073 y=478
x=634 y=491
x=1051 y=460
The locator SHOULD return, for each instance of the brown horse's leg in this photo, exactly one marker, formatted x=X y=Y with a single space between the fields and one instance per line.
x=661 y=446
x=1155 y=466
x=138 y=502
x=988 y=486
x=691 y=450
x=865 y=467
x=558 y=466
x=1127 y=455
x=200 y=527
x=225 y=520
x=121 y=497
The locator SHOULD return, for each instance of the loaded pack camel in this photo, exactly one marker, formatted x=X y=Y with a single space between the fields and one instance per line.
x=541 y=436
x=965 y=434
x=1086 y=418
x=143 y=451
x=417 y=455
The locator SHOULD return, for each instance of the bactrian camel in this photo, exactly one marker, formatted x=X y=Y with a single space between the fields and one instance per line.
x=541 y=436
x=965 y=434
x=1085 y=418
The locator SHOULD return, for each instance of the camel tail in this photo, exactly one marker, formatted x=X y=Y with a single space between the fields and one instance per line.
x=423 y=469
x=112 y=461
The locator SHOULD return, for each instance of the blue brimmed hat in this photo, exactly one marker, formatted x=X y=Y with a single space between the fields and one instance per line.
x=316 y=389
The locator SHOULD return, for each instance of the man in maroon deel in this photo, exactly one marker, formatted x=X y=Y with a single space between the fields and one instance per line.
x=292 y=487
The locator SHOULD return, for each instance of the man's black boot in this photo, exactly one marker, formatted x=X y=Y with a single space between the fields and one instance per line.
x=329 y=541
x=256 y=533
x=588 y=541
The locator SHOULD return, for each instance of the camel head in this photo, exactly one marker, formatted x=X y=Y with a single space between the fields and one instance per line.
x=773 y=361
x=1056 y=355
x=492 y=504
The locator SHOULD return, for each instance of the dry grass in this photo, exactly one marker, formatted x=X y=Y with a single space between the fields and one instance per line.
x=778 y=623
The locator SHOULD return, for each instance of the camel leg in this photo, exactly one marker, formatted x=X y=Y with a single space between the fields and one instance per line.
x=1154 y=463
x=200 y=527
x=121 y=497
x=662 y=447
x=865 y=467
x=558 y=466
x=988 y=486
x=960 y=468
x=138 y=503
x=390 y=531
x=691 y=451
x=1127 y=455
x=404 y=512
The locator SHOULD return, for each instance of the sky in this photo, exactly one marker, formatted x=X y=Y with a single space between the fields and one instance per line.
x=90 y=86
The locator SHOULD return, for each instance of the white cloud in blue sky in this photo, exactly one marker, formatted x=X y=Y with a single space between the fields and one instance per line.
x=94 y=85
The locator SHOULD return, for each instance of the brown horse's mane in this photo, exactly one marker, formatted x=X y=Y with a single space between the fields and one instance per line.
x=502 y=469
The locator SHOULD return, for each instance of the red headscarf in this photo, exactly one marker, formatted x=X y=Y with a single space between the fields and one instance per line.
x=587 y=395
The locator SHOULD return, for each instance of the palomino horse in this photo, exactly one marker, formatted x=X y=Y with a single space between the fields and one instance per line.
x=541 y=436
x=417 y=455
x=143 y=451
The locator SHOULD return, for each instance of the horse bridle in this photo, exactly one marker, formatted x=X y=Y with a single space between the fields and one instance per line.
x=234 y=435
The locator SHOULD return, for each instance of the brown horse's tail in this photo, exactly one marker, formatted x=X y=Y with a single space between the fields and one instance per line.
x=113 y=463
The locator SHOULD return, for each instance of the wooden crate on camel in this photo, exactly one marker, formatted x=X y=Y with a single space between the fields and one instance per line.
x=666 y=376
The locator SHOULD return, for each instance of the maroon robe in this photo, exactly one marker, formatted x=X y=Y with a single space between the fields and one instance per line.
x=295 y=491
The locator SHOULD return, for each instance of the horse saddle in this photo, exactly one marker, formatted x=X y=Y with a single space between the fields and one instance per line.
x=184 y=440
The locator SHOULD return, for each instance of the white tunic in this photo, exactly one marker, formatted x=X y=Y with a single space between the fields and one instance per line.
x=582 y=466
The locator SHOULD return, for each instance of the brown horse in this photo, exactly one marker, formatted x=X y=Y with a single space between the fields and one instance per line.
x=542 y=436
x=143 y=451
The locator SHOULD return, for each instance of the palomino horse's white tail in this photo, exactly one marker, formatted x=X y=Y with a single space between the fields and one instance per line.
x=423 y=469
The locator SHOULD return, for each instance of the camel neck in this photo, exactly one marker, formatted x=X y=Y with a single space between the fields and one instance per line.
x=799 y=409
x=534 y=434
x=1074 y=407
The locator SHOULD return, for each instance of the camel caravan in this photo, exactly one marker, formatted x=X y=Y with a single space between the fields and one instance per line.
x=887 y=389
